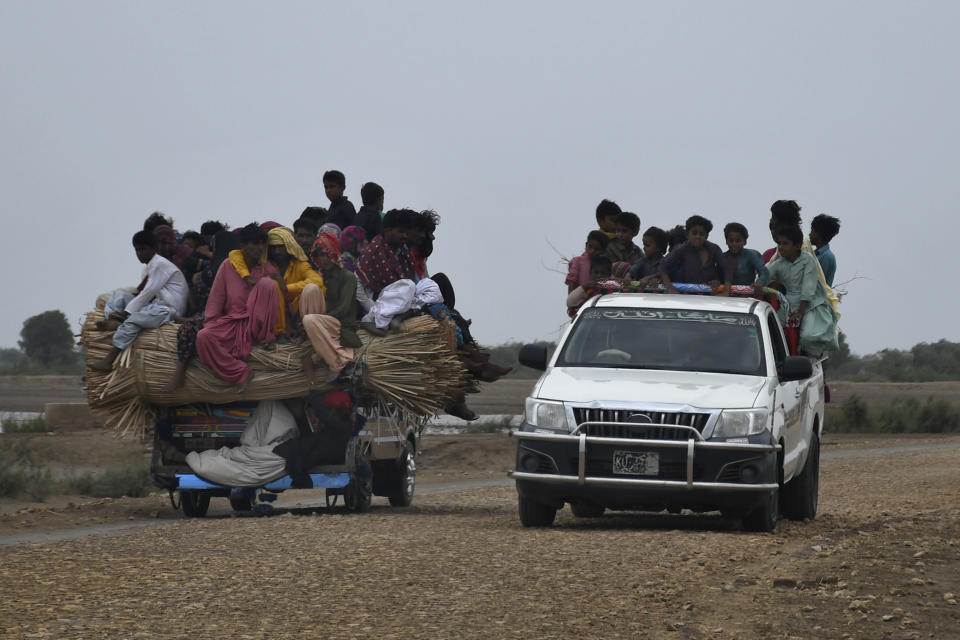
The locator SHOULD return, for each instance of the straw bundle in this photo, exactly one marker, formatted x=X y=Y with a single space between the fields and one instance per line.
x=416 y=370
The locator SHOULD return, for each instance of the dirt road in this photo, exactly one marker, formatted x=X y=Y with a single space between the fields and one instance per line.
x=880 y=561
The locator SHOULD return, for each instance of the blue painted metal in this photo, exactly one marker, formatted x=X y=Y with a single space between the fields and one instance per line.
x=189 y=481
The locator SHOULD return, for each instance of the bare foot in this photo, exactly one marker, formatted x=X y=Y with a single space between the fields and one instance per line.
x=107 y=325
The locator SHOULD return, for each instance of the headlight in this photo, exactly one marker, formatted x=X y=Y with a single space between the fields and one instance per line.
x=545 y=414
x=741 y=422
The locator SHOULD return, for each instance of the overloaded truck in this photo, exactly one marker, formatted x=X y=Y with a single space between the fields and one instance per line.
x=354 y=436
x=654 y=402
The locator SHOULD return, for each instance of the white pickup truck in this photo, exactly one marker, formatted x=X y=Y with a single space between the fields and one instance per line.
x=655 y=401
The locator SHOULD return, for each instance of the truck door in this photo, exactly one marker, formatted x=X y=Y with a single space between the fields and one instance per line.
x=788 y=402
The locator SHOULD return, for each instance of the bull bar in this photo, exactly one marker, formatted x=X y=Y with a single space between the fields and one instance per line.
x=692 y=444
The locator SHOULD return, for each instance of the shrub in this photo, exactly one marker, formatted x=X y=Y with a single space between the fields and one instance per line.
x=21 y=472
x=910 y=415
x=501 y=425
x=130 y=478
x=27 y=425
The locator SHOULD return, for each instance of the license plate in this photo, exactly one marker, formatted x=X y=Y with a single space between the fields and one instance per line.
x=636 y=463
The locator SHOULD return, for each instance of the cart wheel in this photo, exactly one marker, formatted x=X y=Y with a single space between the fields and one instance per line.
x=194 y=503
x=405 y=479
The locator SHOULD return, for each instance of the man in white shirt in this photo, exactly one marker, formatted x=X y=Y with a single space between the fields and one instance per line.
x=162 y=295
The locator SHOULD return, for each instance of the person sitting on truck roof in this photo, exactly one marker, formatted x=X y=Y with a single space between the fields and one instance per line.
x=420 y=240
x=600 y=270
x=305 y=231
x=646 y=270
x=238 y=315
x=622 y=248
x=698 y=260
x=607 y=212
x=786 y=213
x=161 y=295
x=748 y=265
x=332 y=332
x=578 y=270
x=353 y=241
x=823 y=229
x=301 y=286
x=810 y=309
x=341 y=211
x=783 y=213
x=222 y=243
x=370 y=216
x=386 y=259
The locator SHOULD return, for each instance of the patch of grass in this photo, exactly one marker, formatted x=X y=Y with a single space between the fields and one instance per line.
x=21 y=470
x=129 y=478
x=909 y=415
x=37 y=424
x=501 y=425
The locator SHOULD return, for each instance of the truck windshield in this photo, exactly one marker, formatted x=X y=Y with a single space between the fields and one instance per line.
x=673 y=339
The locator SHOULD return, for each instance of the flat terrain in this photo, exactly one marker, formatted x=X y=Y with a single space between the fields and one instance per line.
x=880 y=561
x=31 y=393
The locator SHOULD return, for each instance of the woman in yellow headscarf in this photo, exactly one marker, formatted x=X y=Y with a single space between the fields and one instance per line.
x=301 y=286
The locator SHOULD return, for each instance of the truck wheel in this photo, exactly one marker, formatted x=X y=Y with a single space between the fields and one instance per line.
x=194 y=503
x=801 y=495
x=404 y=483
x=586 y=510
x=764 y=517
x=357 y=495
x=535 y=514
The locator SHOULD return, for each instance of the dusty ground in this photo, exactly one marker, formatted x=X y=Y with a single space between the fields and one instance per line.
x=880 y=561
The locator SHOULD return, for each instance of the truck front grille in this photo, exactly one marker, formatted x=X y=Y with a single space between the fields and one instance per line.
x=634 y=423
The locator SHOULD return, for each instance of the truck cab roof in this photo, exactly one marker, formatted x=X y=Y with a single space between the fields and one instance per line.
x=675 y=301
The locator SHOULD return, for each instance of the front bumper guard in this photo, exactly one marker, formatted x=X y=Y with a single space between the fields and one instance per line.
x=694 y=443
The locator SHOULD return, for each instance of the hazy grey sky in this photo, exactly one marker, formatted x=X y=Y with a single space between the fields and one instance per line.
x=511 y=119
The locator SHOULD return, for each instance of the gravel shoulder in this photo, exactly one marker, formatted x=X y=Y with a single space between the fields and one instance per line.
x=880 y=561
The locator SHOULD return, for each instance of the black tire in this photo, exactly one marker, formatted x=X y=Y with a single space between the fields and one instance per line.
x=535 y=514
x=802 y=494
x=587 y=510
x=404 y=480
x=764 y=518
x=357 y=494
x=194 y=503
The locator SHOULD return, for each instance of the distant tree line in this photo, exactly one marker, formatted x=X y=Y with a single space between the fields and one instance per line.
x=924 y=362
x=47 y=346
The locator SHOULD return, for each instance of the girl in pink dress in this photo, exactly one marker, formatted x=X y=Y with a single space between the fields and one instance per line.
x=238 y=315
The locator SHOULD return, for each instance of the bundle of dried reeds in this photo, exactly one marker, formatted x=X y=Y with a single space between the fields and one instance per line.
x=416 y=369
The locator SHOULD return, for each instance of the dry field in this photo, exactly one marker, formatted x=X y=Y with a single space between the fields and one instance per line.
x=880 y=561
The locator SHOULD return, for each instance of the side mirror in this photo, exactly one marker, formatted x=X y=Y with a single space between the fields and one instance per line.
x=533 y=356
x=796 y=368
